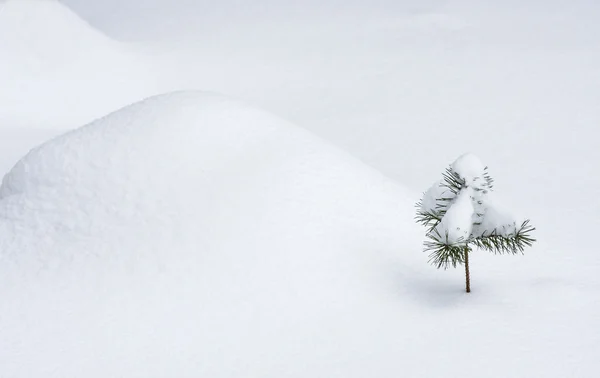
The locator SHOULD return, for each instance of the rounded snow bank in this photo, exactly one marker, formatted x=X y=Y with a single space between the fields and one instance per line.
x=56 y=63
x=153 y=163
x=159 y=162
x=163 y=153
x=191 y=235
x=45 y=31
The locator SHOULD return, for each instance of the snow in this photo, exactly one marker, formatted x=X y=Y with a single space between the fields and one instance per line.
x=30 y=29
x=497 y=221
x=54 y=62
x=457 y=223
x=473 y=211
x=470 y=169
x=437 y=191
x=184 y=210
x=228 y=242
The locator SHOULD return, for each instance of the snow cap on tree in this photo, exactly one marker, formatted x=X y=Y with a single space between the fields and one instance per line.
x=460 y=214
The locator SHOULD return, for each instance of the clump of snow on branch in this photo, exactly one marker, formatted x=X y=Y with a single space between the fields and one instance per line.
x=469 y=167
x=430 y=202
x=469 y=212
x=457 y=223
x=496 y=220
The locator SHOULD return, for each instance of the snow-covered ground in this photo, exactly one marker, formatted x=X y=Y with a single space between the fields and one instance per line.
x=56 y=71
x=193 y=235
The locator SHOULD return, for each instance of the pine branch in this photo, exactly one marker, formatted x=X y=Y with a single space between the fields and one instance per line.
x=488 y=179
x=509 y=244
x=442 y=253
x=453 y=181
x=429 y=219
x=432 y=217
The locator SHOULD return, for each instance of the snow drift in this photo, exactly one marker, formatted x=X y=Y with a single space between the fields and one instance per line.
x=189 y=226
x=276 y=255
x=36 y=32
x=189 y=235
x=56 y=63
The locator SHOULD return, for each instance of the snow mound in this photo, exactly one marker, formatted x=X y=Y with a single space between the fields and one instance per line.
x=54 y=62
x=36 y=32
x=190 y=225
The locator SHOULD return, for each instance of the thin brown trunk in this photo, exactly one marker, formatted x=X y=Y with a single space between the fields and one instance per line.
x=468 y=277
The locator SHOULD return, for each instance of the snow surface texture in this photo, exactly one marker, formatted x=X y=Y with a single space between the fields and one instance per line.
x=190 y=235
x=188 y=226
x=326 y=279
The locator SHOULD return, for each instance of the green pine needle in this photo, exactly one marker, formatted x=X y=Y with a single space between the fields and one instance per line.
x=443 y=254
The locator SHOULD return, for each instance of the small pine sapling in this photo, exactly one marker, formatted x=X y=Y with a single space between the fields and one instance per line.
x=459 y=216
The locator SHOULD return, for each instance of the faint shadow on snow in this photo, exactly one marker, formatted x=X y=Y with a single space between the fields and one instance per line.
x=431 y=292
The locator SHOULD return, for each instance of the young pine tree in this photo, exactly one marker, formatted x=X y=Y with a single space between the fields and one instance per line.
x=460 y=216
